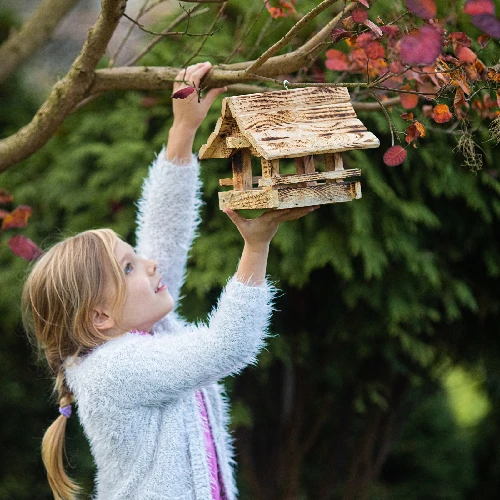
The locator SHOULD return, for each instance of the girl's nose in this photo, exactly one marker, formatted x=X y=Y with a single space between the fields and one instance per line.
x=151 y=266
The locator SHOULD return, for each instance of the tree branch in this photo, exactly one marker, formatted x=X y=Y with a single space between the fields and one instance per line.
x=33 y=35
x=67 y=93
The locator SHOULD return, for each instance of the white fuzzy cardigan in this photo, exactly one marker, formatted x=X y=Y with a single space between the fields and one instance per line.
x=135 y=394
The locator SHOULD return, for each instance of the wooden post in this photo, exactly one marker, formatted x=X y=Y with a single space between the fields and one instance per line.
x=333 y=161
x=270 y=168
x=242 y=170
x=305 y=165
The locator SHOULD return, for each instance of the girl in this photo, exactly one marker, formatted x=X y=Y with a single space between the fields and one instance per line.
x=145 y=382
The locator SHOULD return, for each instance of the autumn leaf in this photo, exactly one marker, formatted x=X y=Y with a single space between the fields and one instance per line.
x=339 y=34
x=494 y=75
x=183 y=93
x=375 y=50
x=3 y=213
x=478 y=7
x=360 y=16
x=420 y=128
x=364 y=2
x=5 y=196
x=465 y=54
x=421 y=46
x=409 y=101
x=487 y=23
x=407 y=116
x=24 y=247
x=483 y=40
x=336 y=60
x=426 y=9
x=412 y=133
x=441 y=113
x=17 y=218
x=394 y=156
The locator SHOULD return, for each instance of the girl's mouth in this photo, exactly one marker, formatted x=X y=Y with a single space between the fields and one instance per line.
x=160 y=287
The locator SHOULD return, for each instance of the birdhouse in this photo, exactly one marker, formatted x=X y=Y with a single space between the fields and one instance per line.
x=299 y=124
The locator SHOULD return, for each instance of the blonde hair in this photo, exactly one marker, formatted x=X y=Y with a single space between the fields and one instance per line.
x=59 y=297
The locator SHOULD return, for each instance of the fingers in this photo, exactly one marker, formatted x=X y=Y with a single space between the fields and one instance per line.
x=193 y=75
x=234 y=216
x=292 y=213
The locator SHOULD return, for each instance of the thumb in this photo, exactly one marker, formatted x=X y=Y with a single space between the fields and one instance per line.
x=235 y=217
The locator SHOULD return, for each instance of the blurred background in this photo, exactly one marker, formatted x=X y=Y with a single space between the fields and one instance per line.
x=383 y=379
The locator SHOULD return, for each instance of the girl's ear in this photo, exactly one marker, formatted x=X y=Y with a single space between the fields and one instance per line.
x=102 y=320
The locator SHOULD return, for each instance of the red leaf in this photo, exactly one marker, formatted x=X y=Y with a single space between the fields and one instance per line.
x=390 y=30
x=3 y=213
x=17 y=218
x=376 y=29
x=441 y=114
x=483 y=40
x=394 y=156
x=412 y=133
x=183 y=93
x=464 y=54
x=459 y=38
x=365 y=3
x=487 y=23
x=364 y=39
x=409 y=101
x=336 y=60
x=426 y=9
x=5 y=196
x=478 y=7
x=25 y=248
x=339 y=34
x=421 y=46
x=375 y=50
x=359 y=16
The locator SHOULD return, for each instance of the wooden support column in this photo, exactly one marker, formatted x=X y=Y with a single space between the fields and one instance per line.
x=305 y=165
x=270 y=168
x=333 y=161
x=242 y=170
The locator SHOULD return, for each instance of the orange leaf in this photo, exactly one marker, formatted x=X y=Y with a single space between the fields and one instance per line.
x=494 y=75
x=409 y=101
x=3 y=213
x=441 y=114
x=483 y=40
x=420 y=128
x=464 y=54
x=5 y=196
x=17 y=218
x=412 y=133
x=394 y=156
x=407 y=116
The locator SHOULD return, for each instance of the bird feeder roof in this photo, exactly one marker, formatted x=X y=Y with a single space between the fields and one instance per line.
x=288 y=124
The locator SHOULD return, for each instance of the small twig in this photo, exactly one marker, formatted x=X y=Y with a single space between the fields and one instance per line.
x=217 y=17
x=391 y=124
x=281 y=43
x=168 y=33
x=186 y=14
x=127 y=36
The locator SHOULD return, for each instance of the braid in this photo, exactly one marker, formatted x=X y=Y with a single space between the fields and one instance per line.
x=53 y=442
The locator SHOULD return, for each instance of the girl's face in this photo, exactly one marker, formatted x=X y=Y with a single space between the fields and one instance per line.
x=148 y=299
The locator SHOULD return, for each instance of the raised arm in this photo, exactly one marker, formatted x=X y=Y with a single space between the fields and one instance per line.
x=168 y=209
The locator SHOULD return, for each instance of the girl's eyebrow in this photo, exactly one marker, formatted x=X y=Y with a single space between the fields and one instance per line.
x=127 y=256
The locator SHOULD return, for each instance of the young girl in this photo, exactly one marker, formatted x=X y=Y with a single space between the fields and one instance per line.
x=145 y=382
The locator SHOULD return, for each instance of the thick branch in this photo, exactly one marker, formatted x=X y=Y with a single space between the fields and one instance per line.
x=33 y=35
x=67 y=93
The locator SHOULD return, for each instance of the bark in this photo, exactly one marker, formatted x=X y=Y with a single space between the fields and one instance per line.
x=33 y=35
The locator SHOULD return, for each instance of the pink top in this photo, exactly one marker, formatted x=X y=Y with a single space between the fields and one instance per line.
x=210 y=449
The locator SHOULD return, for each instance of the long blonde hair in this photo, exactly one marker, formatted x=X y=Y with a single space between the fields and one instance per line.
x=59 y=297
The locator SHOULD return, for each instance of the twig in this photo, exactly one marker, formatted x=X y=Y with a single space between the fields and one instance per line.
x=192 y=12
x=127 y=35
x=391 y=124
x=217 y=17
x=168 y=33
x=281 y=43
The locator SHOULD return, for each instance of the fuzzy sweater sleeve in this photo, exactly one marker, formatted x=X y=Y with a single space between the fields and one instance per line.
x=168 y=217
x=148 y=370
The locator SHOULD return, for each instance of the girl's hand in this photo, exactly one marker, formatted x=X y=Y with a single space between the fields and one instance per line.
x=257 y=234
x=188 y=112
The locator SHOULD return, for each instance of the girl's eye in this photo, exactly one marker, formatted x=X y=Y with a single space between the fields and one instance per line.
x=128 y=268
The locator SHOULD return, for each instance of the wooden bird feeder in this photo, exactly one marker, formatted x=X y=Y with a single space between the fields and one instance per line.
x=295 y=124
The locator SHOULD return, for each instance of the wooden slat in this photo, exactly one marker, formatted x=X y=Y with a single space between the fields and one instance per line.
x=228 y=181
x=316 y=176
x=237 y=142
x=256 y=198
x=319 y=195
x=290 y=197
x=270 y=168
x=334 y=162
